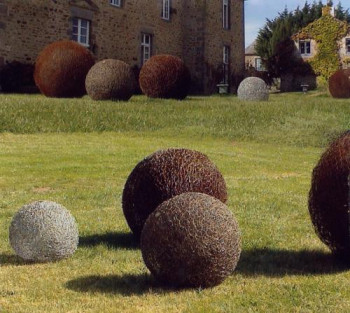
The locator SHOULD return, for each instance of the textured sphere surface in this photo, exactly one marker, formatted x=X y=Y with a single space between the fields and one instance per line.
x=253 y=89
x=43 y=231
x=165 y=174
x=339 y=84
x=110 y=80
x=191 y=240
x=165 y=76
x=329 y=196
x=61 y=69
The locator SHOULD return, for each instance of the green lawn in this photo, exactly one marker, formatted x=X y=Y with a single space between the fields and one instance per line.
x=79 y=154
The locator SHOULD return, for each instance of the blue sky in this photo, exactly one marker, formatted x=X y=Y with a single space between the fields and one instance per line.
x=256 y=12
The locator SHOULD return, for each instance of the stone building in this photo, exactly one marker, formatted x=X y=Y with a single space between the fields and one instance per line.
x=208 y=35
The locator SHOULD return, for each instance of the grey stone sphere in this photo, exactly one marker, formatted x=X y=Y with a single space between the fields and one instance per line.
x=43 y=231
x=253 y=89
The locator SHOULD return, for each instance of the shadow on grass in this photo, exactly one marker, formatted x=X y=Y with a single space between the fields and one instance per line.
x=125 y=285
x=275 y=263
x=12 y=259
x=111 y=240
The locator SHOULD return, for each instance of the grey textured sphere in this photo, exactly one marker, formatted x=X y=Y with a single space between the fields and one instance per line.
x=165 y=174
x=110 y=80
x=191 y=240
x=43 y=231
x=253 y=89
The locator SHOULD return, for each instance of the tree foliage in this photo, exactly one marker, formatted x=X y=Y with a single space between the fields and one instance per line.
x=274 y=43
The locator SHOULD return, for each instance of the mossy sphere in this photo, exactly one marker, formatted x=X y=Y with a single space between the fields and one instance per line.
x=164 y=174
x=191 y=240
x=165 y=76
x=329 y=198
x=110 y=80
x=61 y=69
x=43 y=231
x=339 y=84
x=253 y=89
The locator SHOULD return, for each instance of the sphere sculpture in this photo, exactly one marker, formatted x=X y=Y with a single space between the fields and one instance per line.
x=329 y=197
x=165 y=76
x=61 y=68
x=43 y=231
x=110 y=80
x=191 y=240
x=165 y=174
x=253 y=89
x=339 y=84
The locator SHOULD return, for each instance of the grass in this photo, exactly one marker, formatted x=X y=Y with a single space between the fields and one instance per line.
x=79 y=153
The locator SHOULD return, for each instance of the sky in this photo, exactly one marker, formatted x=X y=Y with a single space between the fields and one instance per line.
x=257 y=11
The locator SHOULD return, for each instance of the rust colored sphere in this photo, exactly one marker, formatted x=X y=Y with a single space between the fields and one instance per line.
x=329 y=196
x=191 y=240
x=61 y=69
x=165 y=174
x=339 y=84
x=165 y=76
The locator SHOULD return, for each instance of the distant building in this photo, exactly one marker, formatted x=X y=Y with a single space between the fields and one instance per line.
x=252 y=59
x=306 y=46
x=208 y=35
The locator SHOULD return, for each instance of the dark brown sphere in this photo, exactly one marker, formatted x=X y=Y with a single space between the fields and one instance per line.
x=165 y=174
x=339 y=84
x=191 y=240
x=165 y=76
x=110 y=80
x=61 y=68
x=329 y=196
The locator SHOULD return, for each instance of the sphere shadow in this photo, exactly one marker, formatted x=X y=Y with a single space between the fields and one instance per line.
x=126 y=285
x=13 y=260
x=279 y=263
x=112 y=240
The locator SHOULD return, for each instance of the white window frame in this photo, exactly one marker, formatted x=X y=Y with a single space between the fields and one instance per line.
x=116 y=3
x=77 y=36
x=305 y=43
x=347 y=45
x=225 y=14
x=146 y=47
x=258 y=64
x=166 y=10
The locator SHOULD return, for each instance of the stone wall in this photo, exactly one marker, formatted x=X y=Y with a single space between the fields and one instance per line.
x=194 y=32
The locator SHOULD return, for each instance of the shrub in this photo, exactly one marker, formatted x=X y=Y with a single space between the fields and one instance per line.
x=165 y=76
x=110 y=80
x=61 y=68
x=43 y=231
x=253 y=89
x=339 y=84
x=17 y=77
x=191 y=240
x=164 y=174
x=329 y=197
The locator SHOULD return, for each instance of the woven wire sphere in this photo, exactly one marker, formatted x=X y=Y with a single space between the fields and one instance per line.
x=191 y=240
x=329 y=196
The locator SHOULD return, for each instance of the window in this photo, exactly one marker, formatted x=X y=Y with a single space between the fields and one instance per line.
x=166 y=10
x=117 y=3
x=225 y=64
x=225 y=14
x=347 y=45
x=226 y=55
x=258 y=64
x=304 y=47
x=81 y=31
x=146 y=47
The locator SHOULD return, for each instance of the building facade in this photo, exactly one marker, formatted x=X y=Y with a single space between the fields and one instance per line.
x=208 y=35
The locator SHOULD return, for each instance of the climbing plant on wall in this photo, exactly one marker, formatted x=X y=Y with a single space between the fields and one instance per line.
x=326 y=31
